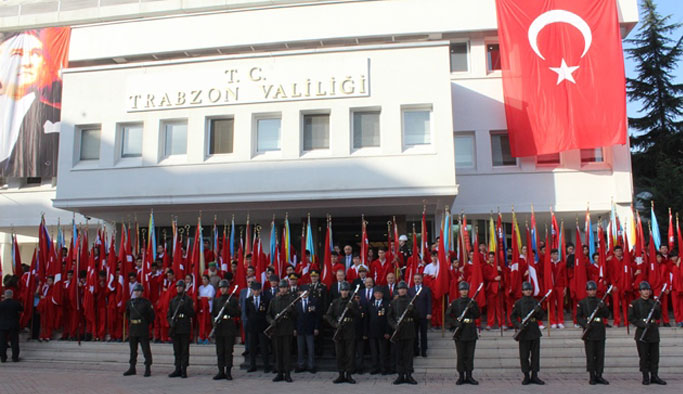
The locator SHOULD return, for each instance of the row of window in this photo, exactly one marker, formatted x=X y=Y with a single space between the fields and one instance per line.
x=460 y=57
x=365 y=131
x=465 y=154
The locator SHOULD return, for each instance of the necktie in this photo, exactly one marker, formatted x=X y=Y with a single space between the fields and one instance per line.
x=256 y=302
x=305 y=305
x=367 y=294
x=377 y=304
x=418 y=287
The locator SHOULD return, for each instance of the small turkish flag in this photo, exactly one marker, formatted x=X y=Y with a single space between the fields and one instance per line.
x=563 y=75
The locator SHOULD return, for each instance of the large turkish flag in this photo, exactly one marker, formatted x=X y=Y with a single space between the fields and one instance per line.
x=563 y=74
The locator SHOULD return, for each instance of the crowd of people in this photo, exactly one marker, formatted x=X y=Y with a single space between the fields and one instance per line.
x=381 y=305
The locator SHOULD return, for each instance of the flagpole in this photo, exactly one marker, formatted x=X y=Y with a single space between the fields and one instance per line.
x=443 y=316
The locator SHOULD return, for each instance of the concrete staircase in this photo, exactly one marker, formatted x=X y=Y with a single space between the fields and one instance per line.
x=561 y=352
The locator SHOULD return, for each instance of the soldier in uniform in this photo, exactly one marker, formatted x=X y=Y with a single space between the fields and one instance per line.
x=179 y=315
x=141 y=315
x=648 y=348
x=595 y=340
x=406 y=333
x=282 y=332
x=530 y=340
x=225 y=329
x=345 y=344
x=466 y=341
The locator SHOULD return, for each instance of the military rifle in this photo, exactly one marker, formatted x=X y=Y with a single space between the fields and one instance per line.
x=403 y=315
x=459 y=326
x=220 y=313
x=268 y=331
x=337 y=331
x=648 y=320
x=527 y=318
x=595 y=311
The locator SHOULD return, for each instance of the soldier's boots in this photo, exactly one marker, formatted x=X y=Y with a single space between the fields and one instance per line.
x=340 y=379
x=600 y=379
x=279 y=377
x=400 y=379
x=175 y=373
x=228 y=374
x=526 y=379
x=288 y=377
x=183 y=372
x=349 y=379
x=592 y=381
x=409 y=379
x=130 y=371
x=469 y=379
x=646 y=378
x=220 y=375
x=656 y=380
x=148 y=371
x=535 y=379
x=461 y=379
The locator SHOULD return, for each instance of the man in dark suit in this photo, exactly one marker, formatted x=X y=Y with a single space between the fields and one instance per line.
x=361 y=332
x=390 y=289
x=244 y=295
x=367 y=293
x=272 y=289
x=256 y=306
x=307 y=328
x=335 y=289
x=347 y=259
x=378 y=332
x=10 y=310
x=423 y=314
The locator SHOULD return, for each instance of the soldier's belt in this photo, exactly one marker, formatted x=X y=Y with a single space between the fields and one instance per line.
x=467 y=320
x=226 y=317
x=533 y=319
x=181 y=316
x=408 y=319
x=347 y=320
x=597 y=319
x=136 y=321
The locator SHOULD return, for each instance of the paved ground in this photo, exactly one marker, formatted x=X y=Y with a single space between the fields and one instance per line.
x=25 y=378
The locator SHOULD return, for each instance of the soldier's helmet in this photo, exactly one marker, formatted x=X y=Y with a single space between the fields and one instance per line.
x=138 y=287
x=283 y=283
x=644 y=286
x=463 y=285
x=223 y=283
x=402 y=285
x=527 y=286
x=345 y=286
x=591 y=285
x=180 y=283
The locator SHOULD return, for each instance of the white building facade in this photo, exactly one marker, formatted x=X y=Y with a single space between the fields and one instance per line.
x=349 y=108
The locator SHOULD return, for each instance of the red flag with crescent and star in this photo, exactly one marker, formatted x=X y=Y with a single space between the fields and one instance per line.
x=563 y=75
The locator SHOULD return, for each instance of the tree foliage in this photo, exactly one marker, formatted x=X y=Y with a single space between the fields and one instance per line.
x=657 y=135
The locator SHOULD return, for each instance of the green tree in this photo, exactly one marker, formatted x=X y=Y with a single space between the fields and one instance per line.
x=657 y=138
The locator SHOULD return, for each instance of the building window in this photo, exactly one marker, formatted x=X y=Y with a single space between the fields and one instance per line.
x=175 y=138
x=493 y=56
x=416 y=127
x=592 y=156
x=464 y=150
x=500 y=149
x=365 y=129
x=131 y=140
x=268 y=134
x=459 y=61
x=316 y=131
x=90 y=144
x=550 y=159
x=221 y=132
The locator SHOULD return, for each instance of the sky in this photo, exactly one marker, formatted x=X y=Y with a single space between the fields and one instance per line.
x=664 y=7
